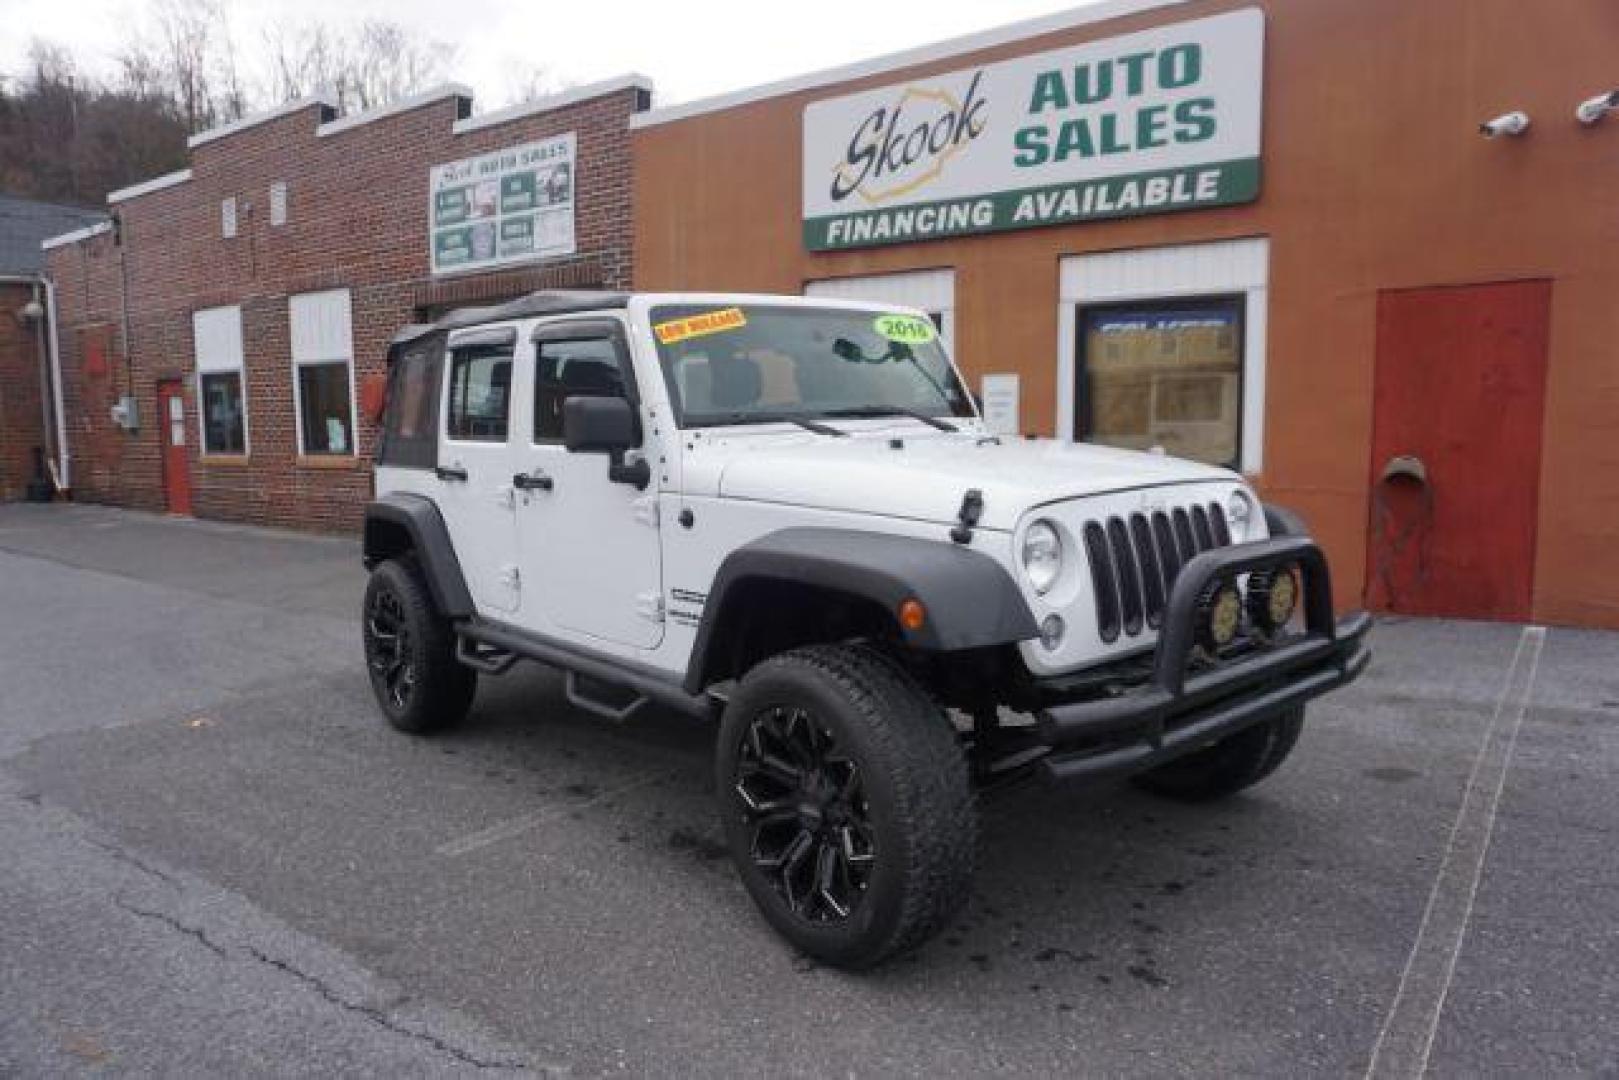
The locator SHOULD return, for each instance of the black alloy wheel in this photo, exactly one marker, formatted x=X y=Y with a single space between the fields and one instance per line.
x=388 y=648
x=806 y=806
x=845 y=802
x=410 y=652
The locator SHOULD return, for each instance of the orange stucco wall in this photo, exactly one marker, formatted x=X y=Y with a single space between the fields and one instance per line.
x=1374 y=178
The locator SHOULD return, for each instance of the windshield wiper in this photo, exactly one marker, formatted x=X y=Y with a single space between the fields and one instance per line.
x=736 y=418
x=892 y=410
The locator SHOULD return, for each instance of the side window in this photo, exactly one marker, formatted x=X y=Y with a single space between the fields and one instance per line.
x=565 y=369
x=480 y=393
x=410 y=424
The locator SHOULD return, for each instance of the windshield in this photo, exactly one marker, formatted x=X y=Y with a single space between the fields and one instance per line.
x=750 y=363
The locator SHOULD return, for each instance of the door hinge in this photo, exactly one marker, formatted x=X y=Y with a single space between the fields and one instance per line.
x=511 y=577
x=646 y=510
x=649 y=605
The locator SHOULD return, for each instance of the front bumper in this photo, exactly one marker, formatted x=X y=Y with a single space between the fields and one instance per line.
x=1176 y=712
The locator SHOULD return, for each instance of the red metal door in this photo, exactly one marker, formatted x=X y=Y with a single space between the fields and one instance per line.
x=1455 y=469
x=171 y=428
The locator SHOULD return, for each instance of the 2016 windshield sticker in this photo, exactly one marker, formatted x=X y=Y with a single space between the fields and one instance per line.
x=709 y=322
x=905 y=329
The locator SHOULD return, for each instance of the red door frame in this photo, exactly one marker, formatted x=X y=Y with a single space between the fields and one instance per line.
x=173 y=451
x=1458 y=409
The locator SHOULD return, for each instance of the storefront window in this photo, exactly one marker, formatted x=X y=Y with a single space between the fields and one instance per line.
x=1164 y=374
x=323 y=396
x=222 y=429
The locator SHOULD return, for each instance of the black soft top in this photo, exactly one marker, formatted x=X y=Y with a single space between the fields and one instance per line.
x=544 y=302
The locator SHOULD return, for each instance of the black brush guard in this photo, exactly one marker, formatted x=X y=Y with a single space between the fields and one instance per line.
x=1175 y=713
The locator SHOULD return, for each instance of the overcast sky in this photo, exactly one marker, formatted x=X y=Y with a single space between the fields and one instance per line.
x=690 y=48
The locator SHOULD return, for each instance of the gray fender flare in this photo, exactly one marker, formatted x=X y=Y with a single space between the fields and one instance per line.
x=1284 y=522
x=971 y=600
x=417 y=519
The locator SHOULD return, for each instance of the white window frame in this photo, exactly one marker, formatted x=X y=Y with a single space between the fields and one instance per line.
x=314 y=342
x=278 y=203
x=216 y=342
x=930 y=290
x=1177 y=272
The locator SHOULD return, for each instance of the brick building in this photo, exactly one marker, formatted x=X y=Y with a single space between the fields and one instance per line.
x=235 y=314
x=26 y=426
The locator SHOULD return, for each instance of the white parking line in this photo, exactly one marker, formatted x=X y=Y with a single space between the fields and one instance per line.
x=505 y=830
x=1407 y=1037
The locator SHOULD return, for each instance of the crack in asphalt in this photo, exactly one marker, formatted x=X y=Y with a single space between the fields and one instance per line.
x=174 y=924
x=124 y=855
x=375 y=1015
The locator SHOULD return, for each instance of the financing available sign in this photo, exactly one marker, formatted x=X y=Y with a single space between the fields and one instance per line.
x=510 y=206
x=1166 y=119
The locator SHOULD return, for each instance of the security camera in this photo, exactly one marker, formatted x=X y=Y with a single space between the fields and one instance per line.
x=1512 y=123
x=1591 y=110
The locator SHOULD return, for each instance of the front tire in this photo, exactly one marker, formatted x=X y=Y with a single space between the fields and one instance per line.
x=410 y=652
x=1229 y=766
x=846 y=803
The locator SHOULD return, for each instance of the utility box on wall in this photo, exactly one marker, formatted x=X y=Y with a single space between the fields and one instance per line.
x=125 y=414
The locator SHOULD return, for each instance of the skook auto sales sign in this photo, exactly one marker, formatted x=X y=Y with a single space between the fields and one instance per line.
x=1167 y=119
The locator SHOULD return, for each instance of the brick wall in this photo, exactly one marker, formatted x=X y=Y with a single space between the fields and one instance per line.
x=21 y=426
x=357 y=218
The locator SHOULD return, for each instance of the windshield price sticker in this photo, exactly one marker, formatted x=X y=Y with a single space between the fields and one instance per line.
x=905 y=329
x=710 y=322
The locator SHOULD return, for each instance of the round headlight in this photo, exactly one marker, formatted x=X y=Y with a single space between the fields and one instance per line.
x=1239 y=511
x=1219 y=615
x=1272 y=597
x=1042 y=556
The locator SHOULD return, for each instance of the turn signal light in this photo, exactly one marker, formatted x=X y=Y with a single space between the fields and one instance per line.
x=912 y=615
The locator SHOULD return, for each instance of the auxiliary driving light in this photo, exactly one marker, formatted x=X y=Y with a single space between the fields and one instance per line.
x=1219 y=615
x=1273 y=595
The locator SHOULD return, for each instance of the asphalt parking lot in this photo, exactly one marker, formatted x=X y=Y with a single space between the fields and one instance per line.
x=218 y=859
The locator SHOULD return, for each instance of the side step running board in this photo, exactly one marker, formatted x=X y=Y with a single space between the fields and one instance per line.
x=492 y=647
x=489 y=661
x=572 y=687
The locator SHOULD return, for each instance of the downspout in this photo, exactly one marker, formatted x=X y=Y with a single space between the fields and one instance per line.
x=42 y=352
x=64 y=462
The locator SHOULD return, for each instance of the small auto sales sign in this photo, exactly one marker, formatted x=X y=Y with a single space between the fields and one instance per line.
x=1167 y=119
x=510 y=206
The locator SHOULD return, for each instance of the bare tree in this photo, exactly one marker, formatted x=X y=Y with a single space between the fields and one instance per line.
x=532 y=84
x=67 y=139
x=371 y=64
x=188 y=30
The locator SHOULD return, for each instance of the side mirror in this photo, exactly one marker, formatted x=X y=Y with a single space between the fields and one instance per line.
x=605 y=425
x=597 y=425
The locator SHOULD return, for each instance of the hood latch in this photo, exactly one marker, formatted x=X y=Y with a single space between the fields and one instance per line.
x=972 y=508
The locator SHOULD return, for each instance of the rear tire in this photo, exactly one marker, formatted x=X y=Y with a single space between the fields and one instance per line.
x=1229 y=766
x=846 y=803
x=410 y=652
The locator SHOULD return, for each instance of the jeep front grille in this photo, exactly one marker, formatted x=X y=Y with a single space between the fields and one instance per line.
x=1134 y=564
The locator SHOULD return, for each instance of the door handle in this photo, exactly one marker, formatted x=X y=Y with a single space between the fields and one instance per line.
x=450 y=472
x=534 y=481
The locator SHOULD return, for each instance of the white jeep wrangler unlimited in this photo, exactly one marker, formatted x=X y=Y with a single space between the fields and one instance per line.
x=786 y=514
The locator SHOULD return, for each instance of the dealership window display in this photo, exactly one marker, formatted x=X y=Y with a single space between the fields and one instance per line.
x=1164 y=374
